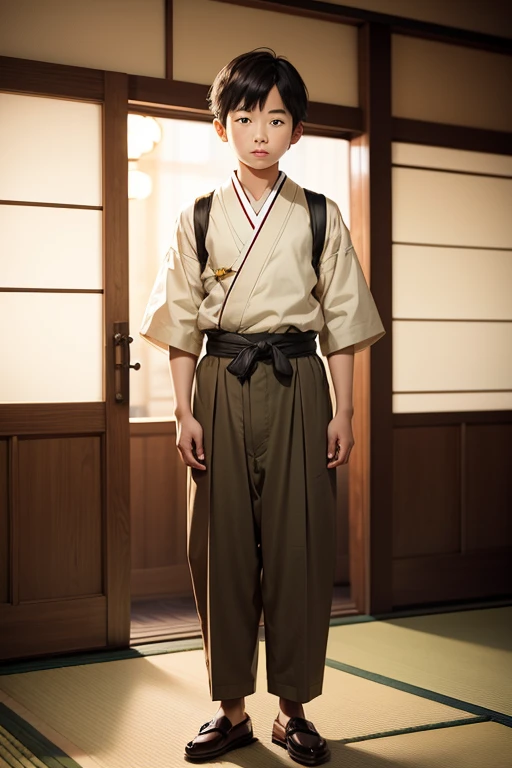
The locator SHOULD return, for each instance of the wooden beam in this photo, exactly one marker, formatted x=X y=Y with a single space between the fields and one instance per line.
x=44 y=79
x=452 y=136
x=168 y=39
x=149 y=95
x=52 y=418
x=458 y=417
x=371 y=467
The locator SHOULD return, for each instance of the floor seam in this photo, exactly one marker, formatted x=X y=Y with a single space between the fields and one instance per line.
x=425 y=693
x=417 y=728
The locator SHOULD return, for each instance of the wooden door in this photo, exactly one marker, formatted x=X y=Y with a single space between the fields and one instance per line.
x=64 y=433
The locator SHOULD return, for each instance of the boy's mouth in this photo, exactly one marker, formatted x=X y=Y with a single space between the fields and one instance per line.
x=259 y=153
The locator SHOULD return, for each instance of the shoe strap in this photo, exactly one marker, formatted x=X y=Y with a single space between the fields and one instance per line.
x=214 y=729
x=300 y=725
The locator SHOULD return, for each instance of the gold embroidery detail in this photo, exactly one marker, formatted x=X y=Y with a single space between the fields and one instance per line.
x=223 y=272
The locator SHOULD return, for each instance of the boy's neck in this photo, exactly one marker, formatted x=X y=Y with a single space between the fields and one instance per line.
x=257 y=181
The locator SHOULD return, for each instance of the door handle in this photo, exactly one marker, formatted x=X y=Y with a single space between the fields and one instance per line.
x=122 y=365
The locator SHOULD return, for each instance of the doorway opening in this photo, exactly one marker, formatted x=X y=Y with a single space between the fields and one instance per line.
x=189 y=160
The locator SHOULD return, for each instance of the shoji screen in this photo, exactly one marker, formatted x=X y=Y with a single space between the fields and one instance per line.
x=51 y=284
x=118 y=35
x=324 y=52
x=452 y=280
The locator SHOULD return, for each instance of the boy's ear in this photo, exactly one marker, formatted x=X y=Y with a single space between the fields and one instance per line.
x=220 y=130
x=297 y=133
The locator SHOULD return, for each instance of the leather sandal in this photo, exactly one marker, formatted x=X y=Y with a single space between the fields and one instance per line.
x=226 y=738
x=302 y=741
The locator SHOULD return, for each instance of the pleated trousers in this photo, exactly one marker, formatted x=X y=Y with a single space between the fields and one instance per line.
x=261 y=526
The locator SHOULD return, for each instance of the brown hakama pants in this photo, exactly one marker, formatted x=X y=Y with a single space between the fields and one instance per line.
x=262 y=526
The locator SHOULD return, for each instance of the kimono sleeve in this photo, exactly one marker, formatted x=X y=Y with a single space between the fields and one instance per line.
x=350 y=314
x=170 y=318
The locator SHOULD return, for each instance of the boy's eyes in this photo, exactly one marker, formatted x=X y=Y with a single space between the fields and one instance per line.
x=246 y=120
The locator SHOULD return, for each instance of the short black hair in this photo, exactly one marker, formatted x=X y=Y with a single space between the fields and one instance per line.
x=248 y=79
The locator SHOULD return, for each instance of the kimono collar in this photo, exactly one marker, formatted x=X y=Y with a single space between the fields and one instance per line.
x=256 y=219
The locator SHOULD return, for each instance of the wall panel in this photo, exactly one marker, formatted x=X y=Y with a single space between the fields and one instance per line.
x=4 y=521
x=489 y=486
x=120 y=35
x=426 y=503
x=430 y=356
x=325 y=53
x=158 y=503
x=437 y=208
x=451 y=283
x=60 y=515
x=451 y=84
x=158 y=511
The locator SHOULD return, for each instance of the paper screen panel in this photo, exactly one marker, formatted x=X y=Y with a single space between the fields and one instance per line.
x=118 y=35
x=50 y=150
x=438 y=208
x=53 y=351
x=325 y=53
x=453 y=356
x=453 y=84
x=451 y=159
x=452 y=283
x=50 y=247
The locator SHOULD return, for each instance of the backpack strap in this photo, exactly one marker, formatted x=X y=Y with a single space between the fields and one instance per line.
x=202 y=208
x=318 y=215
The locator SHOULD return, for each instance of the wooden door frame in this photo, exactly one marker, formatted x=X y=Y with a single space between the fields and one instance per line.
x=117 y=479
x=110 y=89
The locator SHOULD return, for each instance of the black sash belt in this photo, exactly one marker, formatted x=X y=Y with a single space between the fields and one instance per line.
x=248 y=348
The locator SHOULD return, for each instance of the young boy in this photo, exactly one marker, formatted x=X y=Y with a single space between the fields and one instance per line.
x=261 y=441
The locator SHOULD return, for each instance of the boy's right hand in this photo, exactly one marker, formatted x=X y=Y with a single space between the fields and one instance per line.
x=189 y=441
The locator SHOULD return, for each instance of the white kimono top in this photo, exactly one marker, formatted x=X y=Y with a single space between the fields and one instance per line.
x=270 y=283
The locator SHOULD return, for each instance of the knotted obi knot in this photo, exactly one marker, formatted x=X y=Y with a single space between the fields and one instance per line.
x=247 y=349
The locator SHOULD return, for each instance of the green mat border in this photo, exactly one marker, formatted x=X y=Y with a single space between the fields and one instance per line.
x=425 y=693
x=43 y=749
x=416 y=729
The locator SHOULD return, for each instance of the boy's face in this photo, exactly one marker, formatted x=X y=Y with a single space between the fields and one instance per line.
x=260 y=138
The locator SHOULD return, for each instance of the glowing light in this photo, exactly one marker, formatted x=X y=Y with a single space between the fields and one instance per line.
x=139 y=185
x=143 y=134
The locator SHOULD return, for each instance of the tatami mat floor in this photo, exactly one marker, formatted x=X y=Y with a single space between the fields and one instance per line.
x=401 y=709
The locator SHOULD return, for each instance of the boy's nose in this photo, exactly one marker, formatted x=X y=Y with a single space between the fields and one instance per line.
x=260 y=136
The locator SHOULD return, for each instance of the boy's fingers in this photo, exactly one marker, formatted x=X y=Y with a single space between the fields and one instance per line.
x=200 y=451
x=188 y=457
x=332 y=447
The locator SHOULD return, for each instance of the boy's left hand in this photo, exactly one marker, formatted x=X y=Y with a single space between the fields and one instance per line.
x=340 y=440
